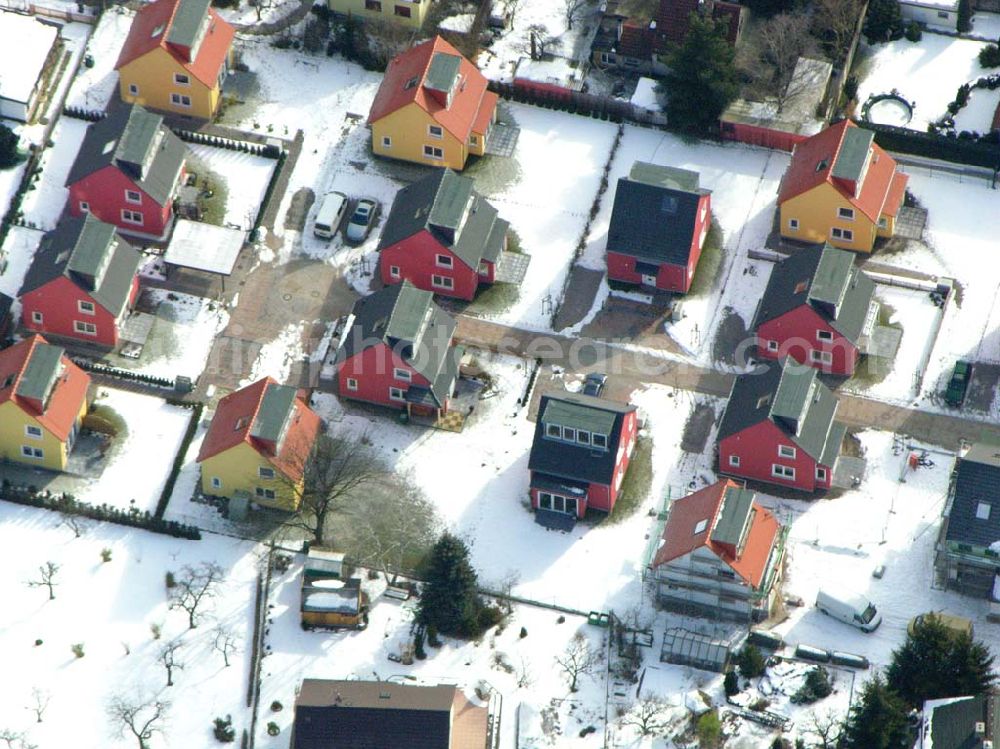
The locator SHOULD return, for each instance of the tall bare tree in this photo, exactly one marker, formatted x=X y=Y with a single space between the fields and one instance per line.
x=139 y=717
x=46 y=578
x=824 y=728
x=773 y=54
x=834 y=21
x=15 y=739
x=39 y=703
x=224 y=643
x=538 y=41
x=573 y=11
x=648 y=716
x=75 y=523
x=195 y=586
x=577 y=659
x=170 y=660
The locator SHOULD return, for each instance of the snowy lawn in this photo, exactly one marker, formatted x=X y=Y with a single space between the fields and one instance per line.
x=276 y=357
x=94 y=87
x=108 y=608
x=18 y=249
x=10 y=178
x=977 y=115
x=246 y=177
x=44 y=204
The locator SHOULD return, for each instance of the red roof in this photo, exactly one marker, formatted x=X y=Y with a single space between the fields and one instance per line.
x=680 y=538
x=637 y=40
x=233 y=423
x=471 y=104
x=211 y=54
x=878 y=184
x=68 y=393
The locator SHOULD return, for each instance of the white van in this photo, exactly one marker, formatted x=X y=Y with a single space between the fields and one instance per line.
x=852 y=608
x=331 y=213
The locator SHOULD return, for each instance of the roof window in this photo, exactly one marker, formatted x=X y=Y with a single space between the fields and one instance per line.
x=763 y=400
x=801 y=286
x=411 y=83
x=823 y=164
x=983 y=511
x=158 y=30
x=701 y=526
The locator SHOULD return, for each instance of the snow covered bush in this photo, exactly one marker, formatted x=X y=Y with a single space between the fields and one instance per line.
x=223 y=730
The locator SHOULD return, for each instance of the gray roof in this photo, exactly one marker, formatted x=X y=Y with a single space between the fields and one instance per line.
x=976 y=482
x=41 y=372
x=672 y=177
x=734 y=517
x=137 y=143
x=90 y=254
x=953 y=722
x=826 y=279
x=447 y=205
x=853 y=154
x=442 y=71
x=272 y=416
x=187 y=22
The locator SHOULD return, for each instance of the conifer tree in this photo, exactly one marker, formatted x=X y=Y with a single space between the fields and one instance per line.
x=450 y=601
x=877 y=720
x=702 y=79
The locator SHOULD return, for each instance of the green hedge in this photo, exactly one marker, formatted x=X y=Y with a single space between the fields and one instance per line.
x=175 y=469
x=913 y=142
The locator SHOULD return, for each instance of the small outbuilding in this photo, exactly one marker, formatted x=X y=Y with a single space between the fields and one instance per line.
x=29 y=49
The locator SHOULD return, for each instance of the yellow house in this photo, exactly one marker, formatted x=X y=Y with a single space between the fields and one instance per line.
x=258 y=445
x=410 y=13
x=43 y=399
x=841 y=188
x=175 y=58
x=432 y=108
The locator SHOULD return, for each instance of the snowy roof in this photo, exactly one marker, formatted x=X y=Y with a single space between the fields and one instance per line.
x=557 y=71
x=645 y=95
x=205 y=247
x=339 y=600
x=25 y=43
x=798 y=113
x=947 y=4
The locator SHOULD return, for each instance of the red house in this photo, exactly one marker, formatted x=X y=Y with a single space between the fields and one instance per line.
x=580 y=453
x=819 y=309
x=81 y=283
x=443 y=236
x=780 y=427
x=397 y=351
x=127 y=172
x=658 y=227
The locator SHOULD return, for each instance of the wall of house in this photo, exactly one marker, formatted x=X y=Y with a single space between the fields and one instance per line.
x=58 y=302
x=104 y=191
x=796 y=334
x=153 y=73
x=757 y=449
x=816 y=211
x=330 y=619
x=373 y=370
x=416 y=259
x=937 y=16
x=238 y=470
x=626 y=447
x=699 y=582
x=13 y=422
x=383 y=10
x=595 y=493
x=407 y=130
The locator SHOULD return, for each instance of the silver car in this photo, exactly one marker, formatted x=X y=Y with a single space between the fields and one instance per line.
x=362 y=220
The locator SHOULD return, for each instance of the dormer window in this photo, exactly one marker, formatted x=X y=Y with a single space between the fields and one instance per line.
x=569 y=434
x=599 y=440
x=411 y=83
x=553 y=430
x=823 y=164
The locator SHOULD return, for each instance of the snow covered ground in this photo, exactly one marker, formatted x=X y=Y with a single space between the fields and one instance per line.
x=276 y=357
x=44 y=204
x=986 y=25
x=246 y=178
x=18 y=249
x=94 y=87
x=977 y=115
x=9 y=180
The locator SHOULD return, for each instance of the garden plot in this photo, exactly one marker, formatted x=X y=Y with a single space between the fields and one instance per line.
x=977 y=115
x=245 y=178
x=94 y=87
x=108 y=608
x=44 y=203
x=18 y=250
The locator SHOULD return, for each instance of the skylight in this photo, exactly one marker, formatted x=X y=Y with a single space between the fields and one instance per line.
x=701 y=526
x=158 y=30
x=109 y=146
x=411 y=83
x=983 y=511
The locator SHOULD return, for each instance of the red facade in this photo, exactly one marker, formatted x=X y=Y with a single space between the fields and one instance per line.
x=415 y=259
x=797 y=334
x=104 y=193
x=755 y=135
x=371 y=374
x=54 y=309
x=754 y=452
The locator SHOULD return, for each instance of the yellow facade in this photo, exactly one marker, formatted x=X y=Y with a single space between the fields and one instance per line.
x=150 y=81
x=405 y=133
x=389 y=11
x=817 y=215
x=14 y=423
x=236 y=473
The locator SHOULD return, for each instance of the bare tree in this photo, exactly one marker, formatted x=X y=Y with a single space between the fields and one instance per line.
x=195 y=586
x=573 y=10
x=169 y=659
x=578 y=659
x=648 y=716
x=140 y=717
x=15 y=739
x=825 y=728
x=46 y=578
x=834 y=21
x=506 y=585
x=225 y=643
x=75 y=523
x=39 y=703
x=525 y=677
x=538 y=41
x=773 y=54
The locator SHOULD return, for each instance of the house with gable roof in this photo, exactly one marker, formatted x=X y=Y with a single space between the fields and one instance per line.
x=819 y=308
x=968 y=722
x=842 y=188
x=780 y=427
x=258 y=446
x=81 y=283
x=408 y=13
x=432 y=107
x=175 y=58
x=658 y=227
x=127 y=172
x=443 y=236
x=720 y=555
x=397 y=351
x=43 y=399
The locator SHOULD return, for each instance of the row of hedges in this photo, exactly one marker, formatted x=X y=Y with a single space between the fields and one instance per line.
x=268 y=151
x=585 y=105
x=269 y=192
x=175 y=469
x=79 y=113
x=13 y=215
x=947 y=148
x=68 y=504
x=124 y=374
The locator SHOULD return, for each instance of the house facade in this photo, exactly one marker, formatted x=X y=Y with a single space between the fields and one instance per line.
x=258 y=446
x=407 y=13
x=931 y=12
x=780 y=427
x=442 y=236
x=397 y=351
x=175 y=58
x=658 y=227
x=580 y=453
x=720 y=555
x=819 y=309
x=841 y=188
x=127 y=173
x=432 y=108
x=43 y=399
x=81 y=283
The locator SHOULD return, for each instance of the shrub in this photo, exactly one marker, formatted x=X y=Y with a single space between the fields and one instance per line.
x=524 y=632
x=781 y=743
x=560 y=619
x=989 y=56
x=273 y=729
x=156 y=630
x=913 y=32
x=38 y=642
x=105 y=554
x=815 y=687
x=276 y=707
x=170 y=580
x=77 y=649
x=750 y=662
x=432 y=636
x=223 y=730
x=709 y=730
x=731 y=684
x=8 y=147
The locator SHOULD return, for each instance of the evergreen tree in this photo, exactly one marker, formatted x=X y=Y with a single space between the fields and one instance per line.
x=883 y=22
x=450 y=601
x=8 y=147
x=702 y=79
x=877 y=720
x=964 y=16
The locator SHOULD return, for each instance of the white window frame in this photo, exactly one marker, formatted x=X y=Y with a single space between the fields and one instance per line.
x=474 y=140
x=84 y=328
x=84 y=206
x=35 y=432
x=132 y=217
x=821 y=357
x=595 y=438
x=433 y=152
x=133 y=196
x=772 y=345
x=133 y=89
x=180 y=100
x=443 y=282
x=845 y=214
x=553 y=430
x=352 y=383
x=394 y=271
x=401 y=374
x=569 y=434
x=262 y=493
x=824 y=335
x=444 y=261
x=883 y=222
x=782 y=472
x=182 y=80
x=847 y=235
x=793 y=224
x=265 y=473
x=35 y=453
x=85 y=307
x=582 y=437
x=37 y=318
x=396 y=394
x=786 y=451
x=734 y=461
x=820 y=473
x=386 y=141
x=216 y=482
x=439 y=134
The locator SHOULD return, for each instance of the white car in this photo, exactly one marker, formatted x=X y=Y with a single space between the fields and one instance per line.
x=362 y=220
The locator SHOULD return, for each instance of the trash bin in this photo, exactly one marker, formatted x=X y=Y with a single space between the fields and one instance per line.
x=182 y=384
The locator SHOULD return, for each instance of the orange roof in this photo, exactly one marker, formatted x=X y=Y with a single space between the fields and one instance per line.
x=813 y=164
x=471 y=104
x=151 y=27
x=233 y=424
x=686 y=513
x=897 y=191
x=66 y=398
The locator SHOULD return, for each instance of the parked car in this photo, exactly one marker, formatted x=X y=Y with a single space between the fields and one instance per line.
x=959 y=383
x=851 y=608
x=593 y=384
x=362 y=220
x=330 y=214
x=957 y=624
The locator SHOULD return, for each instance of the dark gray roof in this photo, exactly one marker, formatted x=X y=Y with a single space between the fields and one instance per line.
x=953 y=724
x=976 y=482
x=137 y=143
x=654 y=215
x=90 y=254
x=272 y=416
x=575 y=461
x=187 y=22
x=6 y=303
x=826 y=279
x=41 y=372
x=445 y=204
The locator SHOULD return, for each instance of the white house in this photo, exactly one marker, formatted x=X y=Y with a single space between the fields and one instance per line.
x=931 y=12
x=27 y=46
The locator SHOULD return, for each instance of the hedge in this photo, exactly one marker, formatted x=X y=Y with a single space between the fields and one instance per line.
x=947 y=148
x=123 y=374
x=175 y=469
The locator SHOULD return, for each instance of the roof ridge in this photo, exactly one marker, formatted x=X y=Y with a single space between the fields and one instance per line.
x=33 y=342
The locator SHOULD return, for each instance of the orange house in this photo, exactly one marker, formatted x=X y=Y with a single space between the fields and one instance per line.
x=432 y=108
x=841 y=188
